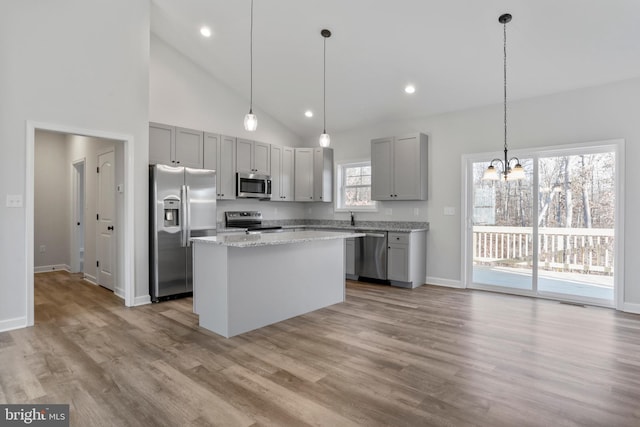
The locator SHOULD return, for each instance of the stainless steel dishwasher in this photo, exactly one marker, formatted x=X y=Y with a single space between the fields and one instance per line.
x=371 y=255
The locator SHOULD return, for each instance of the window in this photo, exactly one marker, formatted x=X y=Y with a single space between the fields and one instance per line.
x=354 y=186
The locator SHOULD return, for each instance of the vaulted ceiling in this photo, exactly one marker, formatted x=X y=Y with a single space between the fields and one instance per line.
x=451 y=50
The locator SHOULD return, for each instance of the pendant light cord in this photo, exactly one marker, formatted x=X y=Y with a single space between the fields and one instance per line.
x=505 y=87
x=251 y=62
x=324 y=87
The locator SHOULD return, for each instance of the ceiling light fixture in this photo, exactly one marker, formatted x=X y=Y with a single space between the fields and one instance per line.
x=308 y=113
x=508 y=173
x=325 y=140
x=205 y=31
x=410 y=89
x=250 y=120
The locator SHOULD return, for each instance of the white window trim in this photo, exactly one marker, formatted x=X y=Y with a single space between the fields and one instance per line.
x=339 y=166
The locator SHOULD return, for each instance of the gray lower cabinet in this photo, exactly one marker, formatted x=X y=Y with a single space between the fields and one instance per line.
x=407 y=258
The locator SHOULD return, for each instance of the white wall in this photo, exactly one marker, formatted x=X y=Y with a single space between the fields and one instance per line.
x=593 y=114
x=52 y=201
x=95 y=76
x=183 y=94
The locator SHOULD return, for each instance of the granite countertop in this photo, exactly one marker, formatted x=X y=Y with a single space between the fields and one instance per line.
x=397 y=227
x=268 y=239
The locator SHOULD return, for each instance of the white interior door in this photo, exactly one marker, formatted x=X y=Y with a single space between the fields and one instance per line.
x=106 y=250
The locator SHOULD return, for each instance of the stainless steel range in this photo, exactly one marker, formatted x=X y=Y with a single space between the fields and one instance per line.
x=251 y=220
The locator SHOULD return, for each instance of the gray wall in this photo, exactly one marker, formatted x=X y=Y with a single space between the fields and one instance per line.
x=52 y=201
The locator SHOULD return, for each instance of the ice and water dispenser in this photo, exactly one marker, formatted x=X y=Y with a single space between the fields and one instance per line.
x=171 y=212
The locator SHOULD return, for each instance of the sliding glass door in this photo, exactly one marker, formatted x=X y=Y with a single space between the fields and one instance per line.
x=552 y=234
x=502 y=239
x=576 y=223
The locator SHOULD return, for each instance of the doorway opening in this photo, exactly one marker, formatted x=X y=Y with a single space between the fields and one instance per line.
x=555 y=234
x=78 y=224
x=78 y=253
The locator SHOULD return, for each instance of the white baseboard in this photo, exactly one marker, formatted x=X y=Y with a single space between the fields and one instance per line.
x=11 y=324
x=631 y=307
x=142 y=300
x=49 y=268
x=439 y=281
x=89 y=278
x=119 y=292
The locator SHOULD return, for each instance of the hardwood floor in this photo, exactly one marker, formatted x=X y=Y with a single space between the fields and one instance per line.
x=387 y=356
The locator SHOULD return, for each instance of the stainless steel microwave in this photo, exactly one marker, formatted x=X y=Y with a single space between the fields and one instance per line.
x=253 y=186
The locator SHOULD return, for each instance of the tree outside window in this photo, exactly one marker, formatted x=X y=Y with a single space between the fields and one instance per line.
x=354 y=187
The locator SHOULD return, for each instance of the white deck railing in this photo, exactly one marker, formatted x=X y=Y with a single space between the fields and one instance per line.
x=587 y=250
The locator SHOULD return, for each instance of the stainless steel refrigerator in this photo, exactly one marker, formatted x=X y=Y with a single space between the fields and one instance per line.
x=182 y=205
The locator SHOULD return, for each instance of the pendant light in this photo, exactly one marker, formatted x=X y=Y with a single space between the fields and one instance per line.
x=325 y=140
x=508 y=173
x=250 y=120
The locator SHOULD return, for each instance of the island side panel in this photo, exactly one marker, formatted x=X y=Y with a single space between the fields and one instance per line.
x=210 y=283
x=269 y=284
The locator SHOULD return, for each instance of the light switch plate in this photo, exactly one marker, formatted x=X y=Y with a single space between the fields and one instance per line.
x=449 y=210
x=14 y=200
x=416 y=211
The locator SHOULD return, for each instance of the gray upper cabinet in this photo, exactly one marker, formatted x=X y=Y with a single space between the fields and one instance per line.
x=282 y=159
x=313 y=174
x=219 y=154
x=175 y=146
x=399 y=168
x=253 y=157
x=322 y=174
x=161 y=142
x=303 y=186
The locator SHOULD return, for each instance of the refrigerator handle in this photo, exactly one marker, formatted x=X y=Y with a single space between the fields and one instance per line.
x=184 y=218
x=187 y=238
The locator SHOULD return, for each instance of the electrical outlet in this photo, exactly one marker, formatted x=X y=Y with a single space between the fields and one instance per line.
x=449 y=211
x=14 y=200
x=43 y=248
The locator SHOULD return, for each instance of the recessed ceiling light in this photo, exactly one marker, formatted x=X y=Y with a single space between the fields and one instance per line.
x=410 y=89
x=205 y=31
x=308 y=113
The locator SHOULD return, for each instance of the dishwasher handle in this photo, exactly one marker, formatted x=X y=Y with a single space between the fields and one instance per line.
x=375 y=235
x=371 y=234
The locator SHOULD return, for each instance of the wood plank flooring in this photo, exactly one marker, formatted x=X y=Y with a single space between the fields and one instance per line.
x=425 y=357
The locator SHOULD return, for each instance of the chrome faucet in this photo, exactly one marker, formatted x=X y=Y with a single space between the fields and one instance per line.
x=353 y=221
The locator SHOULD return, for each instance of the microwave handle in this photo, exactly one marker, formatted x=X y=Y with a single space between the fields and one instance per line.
x=269 y=187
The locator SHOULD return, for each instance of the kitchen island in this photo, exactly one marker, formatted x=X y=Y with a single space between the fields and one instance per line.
x=246 y=281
